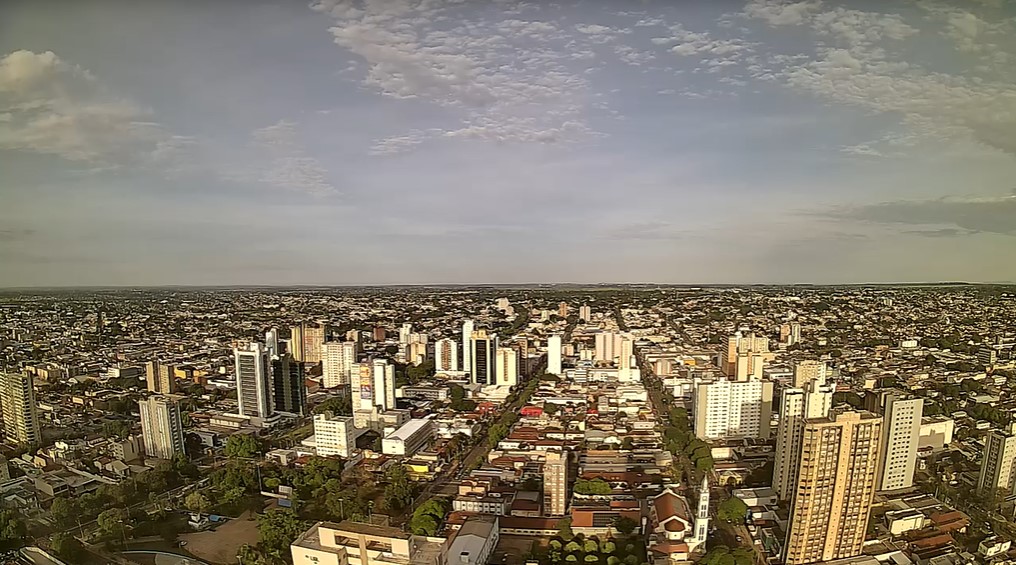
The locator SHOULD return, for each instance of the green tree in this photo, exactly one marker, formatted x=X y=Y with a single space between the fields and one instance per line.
x=276 y=531
x=590 y=546
x=111 y=521
x=428 y=516
x=595 y=486
x=65 y=512
x=399 y=490
x=12 y=528
x=197 y=502
x=341 y=405
x=732 y=510
x=244 y=446
x=572 y=547
x=625 y=525
x=66 y=547
x=564 y=530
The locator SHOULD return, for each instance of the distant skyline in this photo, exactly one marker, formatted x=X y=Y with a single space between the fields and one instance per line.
x=428 y=141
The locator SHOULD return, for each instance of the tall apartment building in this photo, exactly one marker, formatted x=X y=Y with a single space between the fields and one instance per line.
x=555 y=483
x=482 y=355
x=562 y=309
x=790 y=333
x=901 y=436
x=161 y=378
x=797 y=405
x=809 y=370
x=997 y=472
x=446 y=355
x=272 y=342
x=289 y=391
x=727 y=408
x=585 y=313
x=161 y=426
x=507 y=366
x=253 y=380
x=314 y=336
x=334 y=435
x=607 y=346
x=467 y=335
x=19 y=411
x=337 y=358
x=554 y=355
x=744 y=356
x=373 y=386
x=835 y=488
x=296 y=342
x=404 y=332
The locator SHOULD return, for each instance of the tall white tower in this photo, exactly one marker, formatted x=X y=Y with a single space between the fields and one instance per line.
x=701 y=517
x=467 y=335
x=253 y=381
x=554 y=355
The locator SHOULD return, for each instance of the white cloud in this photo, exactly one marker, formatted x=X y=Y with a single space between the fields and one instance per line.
x=777 y=12
x=289 y=166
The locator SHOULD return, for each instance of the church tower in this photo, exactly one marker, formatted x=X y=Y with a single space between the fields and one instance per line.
x=701 y=517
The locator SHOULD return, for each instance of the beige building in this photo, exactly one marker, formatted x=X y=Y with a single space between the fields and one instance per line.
x=161 y=378
x=745 y=356
x=334 y=435
x=313 y=341
x=997 y=464
x=161 y=426
x=354 y=543
x=839 y=466
x=555 y=483
x=507 y=366
x=446 y=355
x=797 y=405
x=20 y=413
x=728 y=408
x=337 y=358
x=809 y=370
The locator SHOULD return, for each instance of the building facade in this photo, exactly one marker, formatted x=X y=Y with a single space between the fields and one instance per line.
x=337 y=358
x=554 y=355
x=446 y=355
x=555 y=483
x=507 y=365
x=161 y=378
x=997 y=471
x=161 y=426
x=901 y=437
x=482 y=356
x=253 y=381
x=20 y=413
x=334 y=435
x=288 y=389
x=797 y=405
x=727 y=408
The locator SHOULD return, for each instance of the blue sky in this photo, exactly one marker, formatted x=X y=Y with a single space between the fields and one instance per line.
x=431 y=141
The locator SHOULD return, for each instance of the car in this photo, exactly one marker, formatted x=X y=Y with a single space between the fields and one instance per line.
x=739 y=539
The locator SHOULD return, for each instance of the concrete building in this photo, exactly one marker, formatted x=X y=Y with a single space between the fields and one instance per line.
x=334 y=435
x=482 y=356
x=404 y=332
x=744 y=356
x=337 y=358
x=607 y=346
x=161 y=379
x=354 y=543
x=408 y=439
x=467 y=335
x=446 y=355
x=314 y=336
x=554 y=355
x=901 y=434
x=555 y=483
x=161 y=426
x=809 y=370
x=936 y=432
x=253 y=381
x=790 y=333
x=585 y=313
x=296 y=342
x=474 y=542
x=997 y=471
x=796 y=406
x=289 y=391
x=562 y=309
x=726 y=408
x=507 y=365
x=19 y=410
x=373 y=386
x=839 y=467
x=272 y=342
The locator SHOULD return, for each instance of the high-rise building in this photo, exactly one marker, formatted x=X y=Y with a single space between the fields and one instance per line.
x=796 y=406
x=607 y=346
x=901 y=434
x=160 y=378
x=585 y=313
x=161 y=426
x=744 y=356
x=404 y=333
x=507 y=365
x=337 y=358
x=562 y=309
x=554 y=355
x=809 y=370
x=334 y=435
x=289 y=390
x=790 y=333
x=416 y=351
x=314 y=336
x=997 y=465
x=726 y=408
x=555 y=483
x=379 y=334
x=253 y=380
x=296 y=342
x=20 y=414
x=835 y=487
x=467 y=336
x=373 y=386
x=482 y=355
x=446 y=355
x=272 y=342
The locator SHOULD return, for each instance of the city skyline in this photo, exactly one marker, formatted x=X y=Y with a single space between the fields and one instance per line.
x=361 y=143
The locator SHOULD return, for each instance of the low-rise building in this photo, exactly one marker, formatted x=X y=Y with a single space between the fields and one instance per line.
x=409 y=438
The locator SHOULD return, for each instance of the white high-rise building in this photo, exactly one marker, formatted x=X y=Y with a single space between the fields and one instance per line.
x=901 y=434
x=745 y=356
x=334 y=435
x=467 y=335
x=20 y=413
x=161 y=426
x=997 y=465
x=404 y=332
x=626 y=354
x=608 y=346
x=809 y=370
x=375 y=387
x=797 y=405
x=507 y=365
x=585 y=313
x=337 y=360
x=726 y=408
x=272 y=342
x=446 y=355
x=253 y=381
x=554 y=355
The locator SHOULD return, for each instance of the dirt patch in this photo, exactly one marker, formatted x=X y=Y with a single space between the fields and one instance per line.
x=221 y=545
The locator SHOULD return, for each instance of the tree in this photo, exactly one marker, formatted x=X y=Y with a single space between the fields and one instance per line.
x=428 y=516
x=65 y=512
x=66 y=547
x=572 y=547
x=564 y=530
x=116 y=429
x=197 y=502
x=732 y=510
x=399 y=490
x=277 y=529
x=625 y=525
x=341 y=405
x=244 y=446
x=12 y=529
x=111 y=521
x=596 y=486
x=550 y=408
x=590 y=546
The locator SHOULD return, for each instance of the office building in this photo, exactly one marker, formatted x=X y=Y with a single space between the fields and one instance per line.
x=585 y=313
x=482 y=356
x=727 y=409
x=555 y=483
x=337 y=358
x=161 y=426
x=467 y=336
x=901 y=436
x=289 y=390
x=253 y=381
x=796 y=406
x=997 y=473
x=835 y=487
x=314 y=336
x=19 y=411
x=161 y=378
x=607 y=346
x=409 y=438
x=507 y=366
x=446 y=355
x=554 y=355
x=334 y=435
x=809 y=370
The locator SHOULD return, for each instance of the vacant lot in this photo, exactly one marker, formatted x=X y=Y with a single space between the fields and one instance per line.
x=221 y=545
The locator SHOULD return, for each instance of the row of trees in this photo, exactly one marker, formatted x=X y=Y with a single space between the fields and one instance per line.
x=428 y=516
x=693 y=455
x=578 y=549
x=595 y=486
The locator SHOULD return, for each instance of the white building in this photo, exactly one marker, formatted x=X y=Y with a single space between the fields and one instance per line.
x=936 y=432
x=507 y=365
x=408 y=439
x=607 y=346
x=334 y=435
x=404 y=333
x=337 y=359
x=997 y=463
x=446 y=355
x=253 y=381
x=161 y=426
x=554 y=355
x=796 y=405
x=585 y=313
x=809 y=370
x=901 y=433
x=467 y=335
x=474 y=542
x=726 y=408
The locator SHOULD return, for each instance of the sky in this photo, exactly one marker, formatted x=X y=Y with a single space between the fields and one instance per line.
x=457 y=141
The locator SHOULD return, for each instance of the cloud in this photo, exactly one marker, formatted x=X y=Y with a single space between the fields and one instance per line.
x=646 y=231
x=777 y=12
x=983 y=215
x=289 y=166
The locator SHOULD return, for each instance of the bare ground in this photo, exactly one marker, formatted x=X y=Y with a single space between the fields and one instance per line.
x=221 y=545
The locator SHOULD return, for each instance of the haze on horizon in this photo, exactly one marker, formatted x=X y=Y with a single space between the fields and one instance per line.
x=430 y=141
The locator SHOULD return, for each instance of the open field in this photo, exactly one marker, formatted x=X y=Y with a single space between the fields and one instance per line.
x=220 y=545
